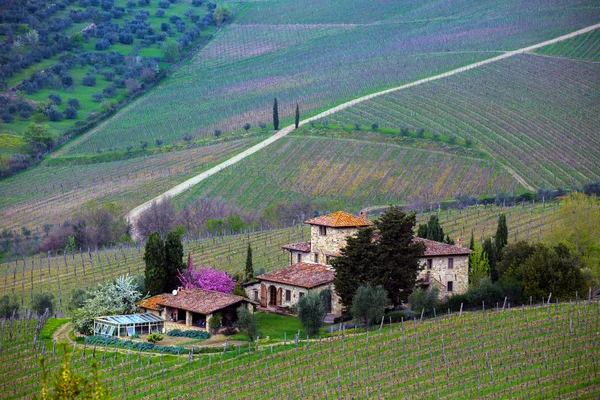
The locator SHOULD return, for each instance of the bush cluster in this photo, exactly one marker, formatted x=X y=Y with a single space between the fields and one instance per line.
x=99 y=340
x=195 y=334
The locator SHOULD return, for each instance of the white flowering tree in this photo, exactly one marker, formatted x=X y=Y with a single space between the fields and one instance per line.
x=116 y=297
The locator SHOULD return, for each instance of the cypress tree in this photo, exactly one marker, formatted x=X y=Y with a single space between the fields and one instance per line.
x=434 y=230
x=154 y=258
x=422 y=232
x=501 y=238
x=472 y=241
x=249 y=267
x=490 y=251
x=297 y=121
x=275 y=115
x=173 y=260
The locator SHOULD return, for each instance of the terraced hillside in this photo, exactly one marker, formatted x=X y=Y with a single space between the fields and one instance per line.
x=59 y=273
x=55 y=191
x=536 y=352
x=274 y=46
x=353 y=173
x=536 y=115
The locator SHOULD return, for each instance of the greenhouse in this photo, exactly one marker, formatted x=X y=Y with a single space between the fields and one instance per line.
x=128 y=325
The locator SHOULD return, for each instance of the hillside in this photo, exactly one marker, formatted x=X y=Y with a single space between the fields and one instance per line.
x=536 y=115
x=58 y=273
x=421 y=40
x=535 y=352
x=51 y=193
x=352 y=174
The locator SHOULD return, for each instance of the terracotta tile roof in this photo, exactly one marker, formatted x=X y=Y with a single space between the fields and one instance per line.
x=303 y=247
x=301 y=274
x=433 y=248
x=198 y=300
x=339 y=219
x=151 y=303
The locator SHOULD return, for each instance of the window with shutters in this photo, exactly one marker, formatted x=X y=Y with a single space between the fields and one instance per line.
x=323 y=230
x=450 y=263
x=288 y=295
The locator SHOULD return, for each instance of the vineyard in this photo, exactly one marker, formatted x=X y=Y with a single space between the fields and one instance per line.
x=586 y=47
x=537 y=115
x=58 y=273
x=354 y=174
x=505 y=351
x=257 y=63
x=51 y=193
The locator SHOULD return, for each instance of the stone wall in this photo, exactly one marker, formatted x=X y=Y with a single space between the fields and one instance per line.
x=336 y=306
x=328 y=244
x=458 y=275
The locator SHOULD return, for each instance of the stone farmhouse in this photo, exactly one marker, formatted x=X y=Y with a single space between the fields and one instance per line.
x=193 y=308
x=445 y=266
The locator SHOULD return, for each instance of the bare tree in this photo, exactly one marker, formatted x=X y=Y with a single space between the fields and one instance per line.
x=160 y=217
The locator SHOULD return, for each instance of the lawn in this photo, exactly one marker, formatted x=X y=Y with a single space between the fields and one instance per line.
x=276 y=327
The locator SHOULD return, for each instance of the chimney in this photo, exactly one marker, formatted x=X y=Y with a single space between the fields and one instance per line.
x=363 y=214
x=459 y=242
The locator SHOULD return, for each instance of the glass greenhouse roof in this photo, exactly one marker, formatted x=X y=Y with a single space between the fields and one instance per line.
x=130 y=319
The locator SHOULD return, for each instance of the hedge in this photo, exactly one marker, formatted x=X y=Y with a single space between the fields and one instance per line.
x=195 y=334
x=128 y=344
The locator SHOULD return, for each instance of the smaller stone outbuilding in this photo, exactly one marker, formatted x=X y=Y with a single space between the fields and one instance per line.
x=282 y=289
x=193 y=308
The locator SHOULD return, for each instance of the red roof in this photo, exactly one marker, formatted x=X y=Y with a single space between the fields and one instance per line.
x=196 y=300
x=339 y=219
x=433 y=248
x=302 y=274
x=303 y=247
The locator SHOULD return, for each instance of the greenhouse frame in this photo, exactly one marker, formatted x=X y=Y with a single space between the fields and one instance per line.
x=128 y=325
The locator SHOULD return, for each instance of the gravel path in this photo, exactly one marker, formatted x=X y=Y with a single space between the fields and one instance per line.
x=137 y=211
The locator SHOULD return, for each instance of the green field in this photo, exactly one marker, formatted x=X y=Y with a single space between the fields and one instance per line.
x=58 y=273
x=350 y=173
x=536 y=352
x=585 y=47
x=52 y=192
x=272 y=49
x=536 y=115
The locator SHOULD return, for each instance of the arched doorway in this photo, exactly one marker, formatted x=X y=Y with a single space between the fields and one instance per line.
x=272 y=296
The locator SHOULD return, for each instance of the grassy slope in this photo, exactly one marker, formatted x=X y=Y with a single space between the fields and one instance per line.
x=537 y=115
x=50 y=193
x=537 y=353
x=421 y=39
x=59 y=274
x=351 y=173
x=84 y=93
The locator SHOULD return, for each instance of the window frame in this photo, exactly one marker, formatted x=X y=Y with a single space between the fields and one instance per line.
x=450 y=262
x=322 y=230
x=450 y=286
x=316 y=257
x=288 y=295
x=298 y=257
x=429 y=265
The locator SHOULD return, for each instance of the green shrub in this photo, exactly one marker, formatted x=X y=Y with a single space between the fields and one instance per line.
x=154 y=337
x=99 y=340
x=215 y=322
x=420 y=300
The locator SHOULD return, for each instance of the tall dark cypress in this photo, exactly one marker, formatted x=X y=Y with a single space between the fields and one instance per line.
x=297 y=121
x=173 y=260
x=154 y=258
x=275 y=115
x=249 y=267
x=501 y=238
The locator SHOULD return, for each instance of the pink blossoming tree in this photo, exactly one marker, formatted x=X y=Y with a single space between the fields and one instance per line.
x=205 y=277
